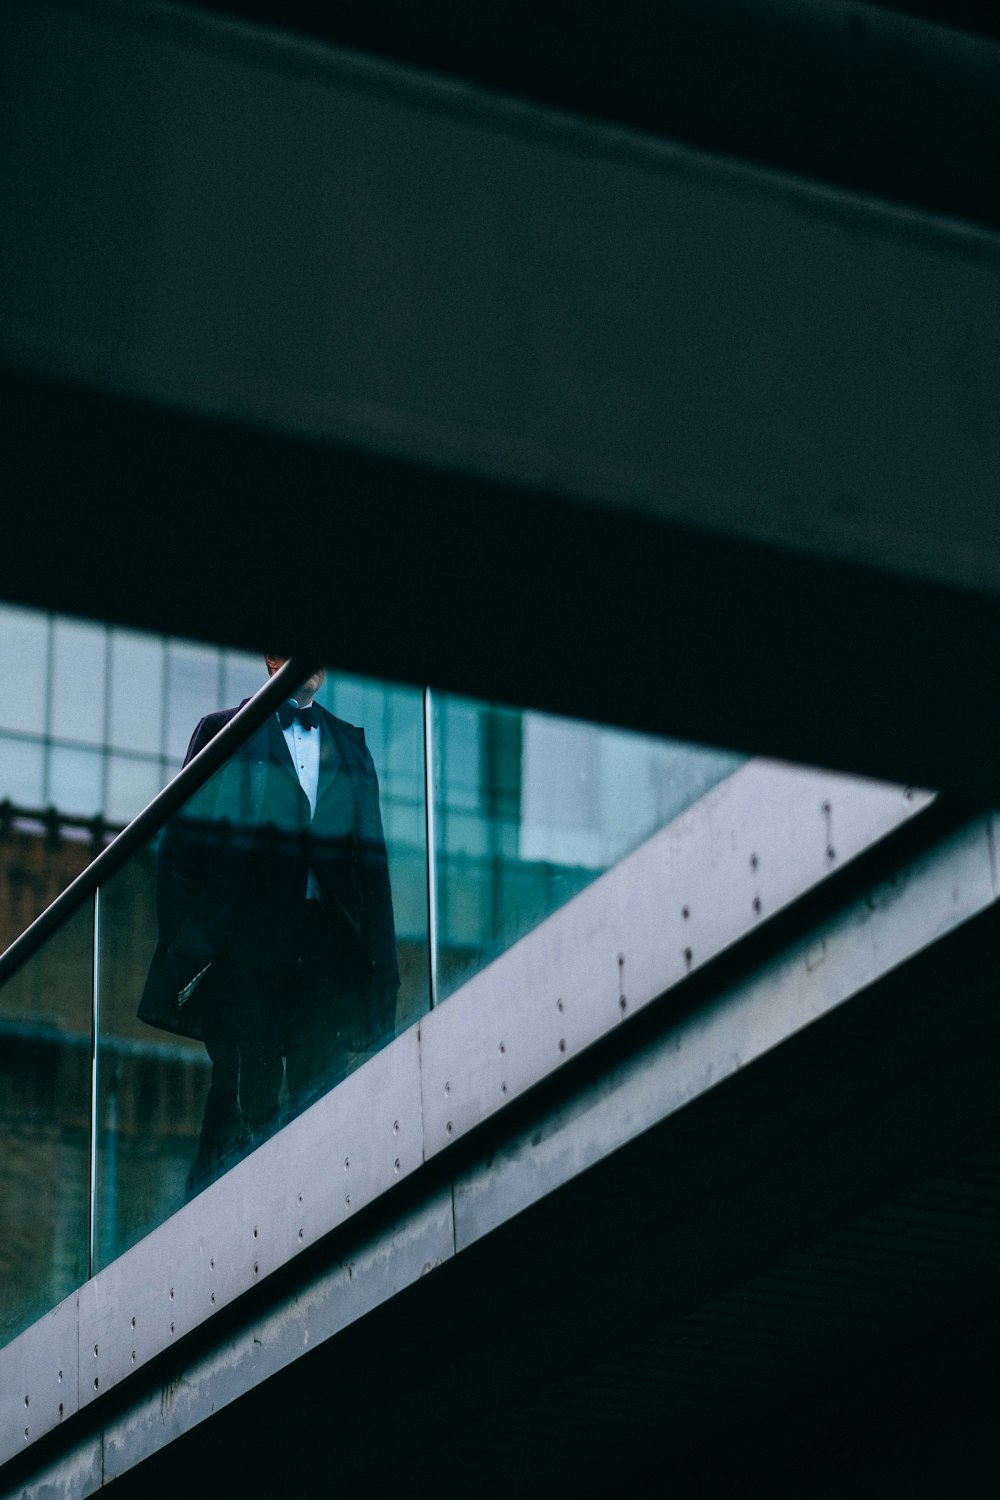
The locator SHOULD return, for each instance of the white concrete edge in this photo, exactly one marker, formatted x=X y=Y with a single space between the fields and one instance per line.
x=899 y=918
x=746 y=850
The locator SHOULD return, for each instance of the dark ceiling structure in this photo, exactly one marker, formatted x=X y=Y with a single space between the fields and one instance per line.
x=897 y=99
x=624 y=584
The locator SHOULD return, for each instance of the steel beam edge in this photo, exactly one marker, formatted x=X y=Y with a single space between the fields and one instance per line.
x=39 y=1387
x=357 y=164
x=419 y=1241
x=295 y=1189
x=743 y=853
x=918 y=905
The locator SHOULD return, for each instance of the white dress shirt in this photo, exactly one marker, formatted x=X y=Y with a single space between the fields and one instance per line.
x=303 y=747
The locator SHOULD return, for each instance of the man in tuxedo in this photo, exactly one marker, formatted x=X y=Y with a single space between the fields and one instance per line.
x=276 y=939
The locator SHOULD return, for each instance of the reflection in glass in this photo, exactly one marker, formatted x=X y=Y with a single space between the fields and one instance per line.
x=45 y=1126
x=151 y=1085
x=273 y=944
x=306 y=854
x=532 y=808
x=23 y=669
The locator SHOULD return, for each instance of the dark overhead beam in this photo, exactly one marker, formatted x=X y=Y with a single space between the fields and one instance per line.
x=894 y=99
x=554 y=414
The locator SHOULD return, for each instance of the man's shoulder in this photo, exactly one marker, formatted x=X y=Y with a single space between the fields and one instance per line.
x=218 y=719
x=351 y=740
x=221 y=716
x=207 y=728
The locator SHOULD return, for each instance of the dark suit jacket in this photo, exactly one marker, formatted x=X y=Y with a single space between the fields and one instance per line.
x=232 y=871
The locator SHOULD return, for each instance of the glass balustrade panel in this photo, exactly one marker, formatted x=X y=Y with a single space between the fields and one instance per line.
x=152 y=1083
x=266 y=944
x=45 y=1114
x=530 y=808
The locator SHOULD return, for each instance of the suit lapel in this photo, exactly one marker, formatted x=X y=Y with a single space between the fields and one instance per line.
x=278 y=747
x=331 y=757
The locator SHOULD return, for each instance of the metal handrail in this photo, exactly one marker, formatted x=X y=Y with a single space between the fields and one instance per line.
x=146 y=824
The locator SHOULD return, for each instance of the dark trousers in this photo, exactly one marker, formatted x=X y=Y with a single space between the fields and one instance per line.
x=268 y=1024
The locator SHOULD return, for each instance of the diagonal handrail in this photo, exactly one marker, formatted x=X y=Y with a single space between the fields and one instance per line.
x=188 y=780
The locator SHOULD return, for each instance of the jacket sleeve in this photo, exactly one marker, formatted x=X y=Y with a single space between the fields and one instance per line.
x=188 y=847
x=180 y=864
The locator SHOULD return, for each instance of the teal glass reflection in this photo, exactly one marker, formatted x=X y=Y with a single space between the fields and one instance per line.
x=391 y=720
x=530 y=808
x=152 y=1085
x=45 y=1060
x=270 y=943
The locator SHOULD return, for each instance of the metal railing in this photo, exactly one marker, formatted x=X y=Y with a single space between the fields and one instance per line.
x=190 y=779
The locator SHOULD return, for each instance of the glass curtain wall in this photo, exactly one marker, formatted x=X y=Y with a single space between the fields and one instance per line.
x=45 y=1126
x=95 y=719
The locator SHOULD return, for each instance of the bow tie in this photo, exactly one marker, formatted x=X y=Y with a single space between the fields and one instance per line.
x=289 y=712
